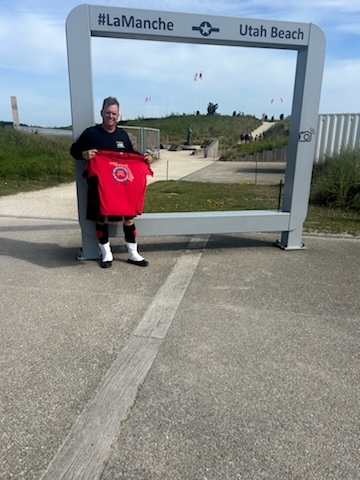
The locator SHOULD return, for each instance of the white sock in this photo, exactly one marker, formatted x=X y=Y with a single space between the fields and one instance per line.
x=106 y=253
x=133 y=253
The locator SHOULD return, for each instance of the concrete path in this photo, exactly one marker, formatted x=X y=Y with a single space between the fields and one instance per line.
x=264 y=127
x=226 y=358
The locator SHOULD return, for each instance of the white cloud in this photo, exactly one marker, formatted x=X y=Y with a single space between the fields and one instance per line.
x=33 y=43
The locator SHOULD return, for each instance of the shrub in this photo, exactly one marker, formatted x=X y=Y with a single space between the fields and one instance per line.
x=336 y=180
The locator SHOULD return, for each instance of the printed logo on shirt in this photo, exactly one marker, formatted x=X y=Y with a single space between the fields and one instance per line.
x=122 y=173
x=120 y=144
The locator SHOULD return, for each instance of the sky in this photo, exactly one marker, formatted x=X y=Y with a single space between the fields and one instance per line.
x=156 y=79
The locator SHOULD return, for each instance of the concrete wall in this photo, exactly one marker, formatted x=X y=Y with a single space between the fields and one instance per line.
x=212 y=150
x=276 y=155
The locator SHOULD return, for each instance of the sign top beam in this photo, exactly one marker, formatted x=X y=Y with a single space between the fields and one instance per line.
x=118 y=22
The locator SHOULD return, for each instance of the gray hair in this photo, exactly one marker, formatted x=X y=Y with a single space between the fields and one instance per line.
x=110 y=101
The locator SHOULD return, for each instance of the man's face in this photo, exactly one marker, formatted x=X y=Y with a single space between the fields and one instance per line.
x=110 y=116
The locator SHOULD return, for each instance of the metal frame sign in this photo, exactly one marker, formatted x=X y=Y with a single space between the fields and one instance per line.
x=86 y=21
x=183 y=27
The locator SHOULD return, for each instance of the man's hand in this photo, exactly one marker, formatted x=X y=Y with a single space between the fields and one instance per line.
x=148 y=159
x=89 y=154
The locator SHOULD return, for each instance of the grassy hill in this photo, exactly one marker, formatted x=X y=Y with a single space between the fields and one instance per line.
x=227 y=129
x=173 y=129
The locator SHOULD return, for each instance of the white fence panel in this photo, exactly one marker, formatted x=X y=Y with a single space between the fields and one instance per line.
x=335 y=132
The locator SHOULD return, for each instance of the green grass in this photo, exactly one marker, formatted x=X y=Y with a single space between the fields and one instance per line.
x=29 y=161
x=184 y=196
x=332 y=221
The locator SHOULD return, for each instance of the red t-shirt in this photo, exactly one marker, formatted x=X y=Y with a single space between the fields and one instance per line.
x=121 y=182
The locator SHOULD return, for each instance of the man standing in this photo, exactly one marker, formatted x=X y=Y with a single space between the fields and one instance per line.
x=107 y=137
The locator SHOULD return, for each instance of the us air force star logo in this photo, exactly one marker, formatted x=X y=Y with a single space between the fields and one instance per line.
x=206 y=29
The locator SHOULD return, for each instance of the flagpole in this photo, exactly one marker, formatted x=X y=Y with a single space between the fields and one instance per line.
x=198 y=90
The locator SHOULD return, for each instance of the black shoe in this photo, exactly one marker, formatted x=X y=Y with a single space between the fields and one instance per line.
x=139 y=263
x=105 y=264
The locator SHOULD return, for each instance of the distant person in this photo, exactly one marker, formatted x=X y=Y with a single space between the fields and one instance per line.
x=94 y=140
x=189 y=135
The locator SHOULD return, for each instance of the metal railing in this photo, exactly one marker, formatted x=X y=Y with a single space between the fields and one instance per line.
x=144 y=139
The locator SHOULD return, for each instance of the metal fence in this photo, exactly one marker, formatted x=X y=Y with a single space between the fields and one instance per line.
x=335 y=132
x=144 y=139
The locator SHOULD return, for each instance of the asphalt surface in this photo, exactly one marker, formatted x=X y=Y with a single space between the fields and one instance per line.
x=226 y=358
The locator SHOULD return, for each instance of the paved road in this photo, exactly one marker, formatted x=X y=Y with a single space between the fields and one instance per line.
x=226 y=358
